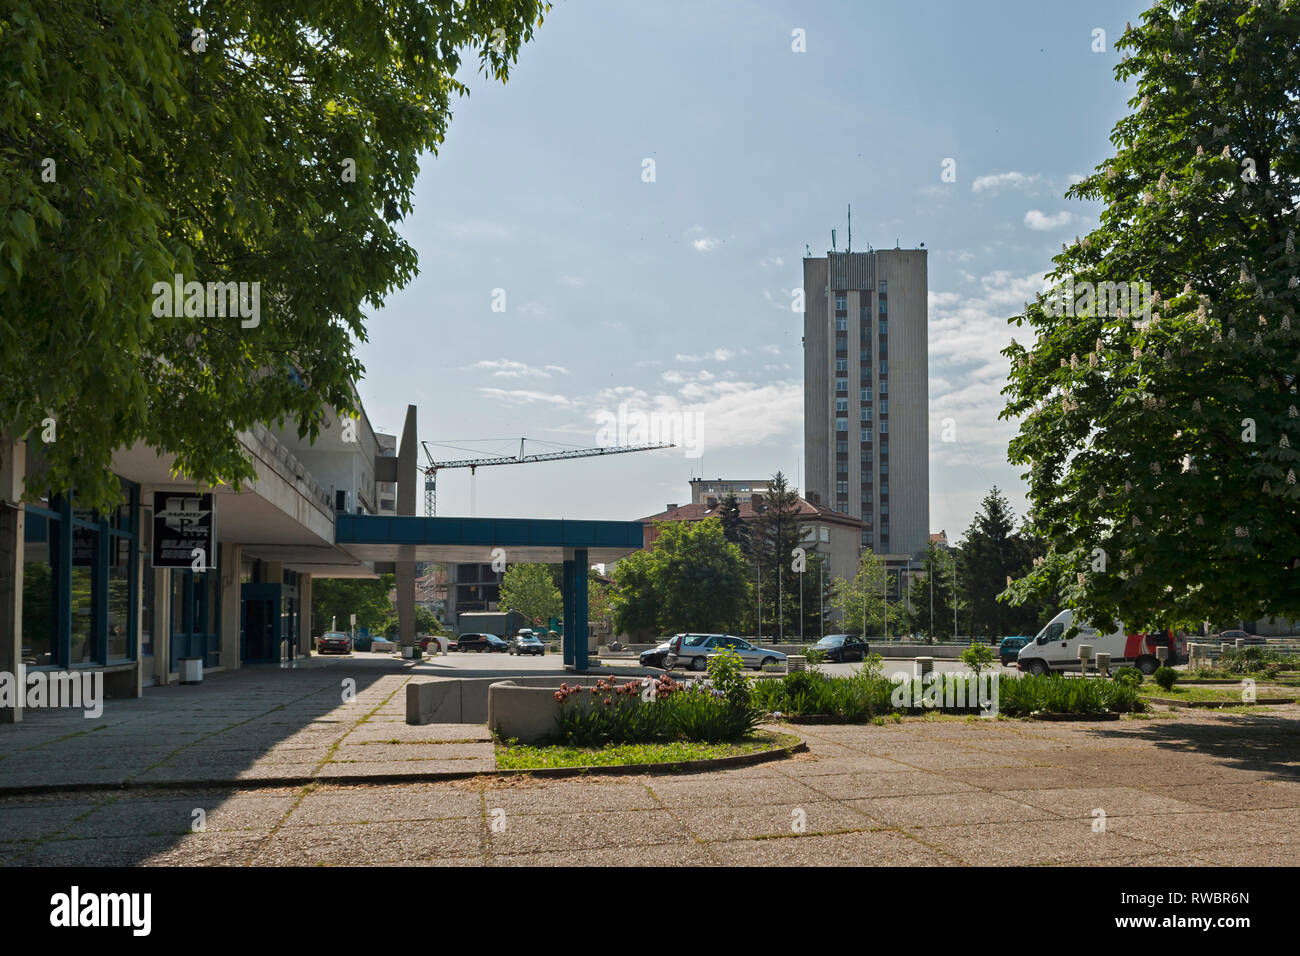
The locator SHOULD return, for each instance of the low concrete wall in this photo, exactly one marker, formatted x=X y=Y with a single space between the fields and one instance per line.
x=528 y=714
x=464 y=700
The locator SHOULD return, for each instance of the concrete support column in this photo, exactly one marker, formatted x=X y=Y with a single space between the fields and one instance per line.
x=232 y=558
x=162 y=624
x=304 y=613
x=566 y=593
x=406 y=494
x=13 y=457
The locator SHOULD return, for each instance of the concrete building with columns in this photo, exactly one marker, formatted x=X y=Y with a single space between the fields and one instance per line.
x=82 y=591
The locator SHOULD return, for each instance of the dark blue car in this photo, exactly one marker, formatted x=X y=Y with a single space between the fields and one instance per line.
x=1009 y=649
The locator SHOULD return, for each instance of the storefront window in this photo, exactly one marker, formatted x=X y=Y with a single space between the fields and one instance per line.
x=40 y=542
x=119 y=598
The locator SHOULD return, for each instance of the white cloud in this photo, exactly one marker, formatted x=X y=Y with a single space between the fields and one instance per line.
x=508 y=368
x=573 y=282
x=717 y=355
x=1041 y=222
x=707 y=244
x=472 y=230
x=524 y=397
x=772 y=262
x=998 y=181
x=534 y=308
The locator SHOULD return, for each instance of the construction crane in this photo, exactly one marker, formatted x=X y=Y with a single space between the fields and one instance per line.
x=473 y=464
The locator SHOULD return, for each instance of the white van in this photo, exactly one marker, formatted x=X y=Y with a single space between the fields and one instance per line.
x=1051 y=650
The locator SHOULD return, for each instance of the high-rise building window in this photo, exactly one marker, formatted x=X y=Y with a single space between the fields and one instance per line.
x=866 y=430
x=866 y=414
x=841 y=487
x=842 y=405
x=841 y=300
x=841 y=324
x=884 y=368
x=884 y=427
x=867 y=476
x=884 y=490
x=884 y=388
x=866 y=353
x=841 y=385
x=884 y=309
x=842 y=466
x=841 y=424
x=866 y=395
x=841 y=365
x=884 y=327
x=884 y=406
x=884 y=286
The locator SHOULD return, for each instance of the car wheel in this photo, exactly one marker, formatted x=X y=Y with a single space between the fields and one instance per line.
x=698 y=663
x=766 y=661
x=1036 y=667
x=1147 y=665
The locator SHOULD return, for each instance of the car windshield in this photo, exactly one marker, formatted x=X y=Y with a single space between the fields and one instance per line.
x=831 y=641
x=695 y=640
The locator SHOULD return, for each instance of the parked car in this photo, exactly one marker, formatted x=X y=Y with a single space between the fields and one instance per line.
x=693 y=650
x=382 y=645
x=1231 y=637
x=1010 y=647
x=1052 y=650
x=654 y=657
x=481 y=643
x=843 y=647
x=337 y=642
x=527 y=643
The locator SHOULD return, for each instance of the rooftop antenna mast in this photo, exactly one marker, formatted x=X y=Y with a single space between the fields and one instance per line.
x=832 y=240
x=850 y=249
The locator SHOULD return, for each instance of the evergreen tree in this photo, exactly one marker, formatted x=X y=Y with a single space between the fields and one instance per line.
x=775 y=534
x=933 y=588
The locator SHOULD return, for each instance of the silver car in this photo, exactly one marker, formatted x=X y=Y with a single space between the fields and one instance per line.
x=693 y=650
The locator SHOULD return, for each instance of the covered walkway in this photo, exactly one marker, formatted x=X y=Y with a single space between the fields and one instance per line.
x=576 y=545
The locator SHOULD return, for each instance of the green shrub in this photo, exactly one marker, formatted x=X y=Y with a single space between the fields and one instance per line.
x=1166 y=677
x=1055 y=694
x=627 y=713
x=1129 y=675
x=815 y=656
x=978 y=656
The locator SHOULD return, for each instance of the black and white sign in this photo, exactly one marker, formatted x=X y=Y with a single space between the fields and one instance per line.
x=182 y=523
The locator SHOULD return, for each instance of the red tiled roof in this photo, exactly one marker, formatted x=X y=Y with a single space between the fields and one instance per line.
x=698 y=512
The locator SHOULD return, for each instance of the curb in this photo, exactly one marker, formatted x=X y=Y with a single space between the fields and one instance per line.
x=262 y=783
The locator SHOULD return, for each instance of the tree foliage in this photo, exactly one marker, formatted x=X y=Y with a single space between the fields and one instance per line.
x=141 y=139
x=529 y=589
x=933 y=587
x=862 y=601
x=1161 y=437
x=339 y=598
x=692 y=579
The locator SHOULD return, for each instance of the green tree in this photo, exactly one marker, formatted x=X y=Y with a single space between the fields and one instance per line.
x=339 y=598
x=733 y=526
x=253 y=142
x=529 y=590
x=991 y=552
x=933 y=587
x=635 y=604
x=1161 y=437
x=774 y=535
x=861 y=600
x=698 y=577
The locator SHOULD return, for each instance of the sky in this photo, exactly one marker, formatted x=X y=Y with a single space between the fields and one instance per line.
x=671 y=293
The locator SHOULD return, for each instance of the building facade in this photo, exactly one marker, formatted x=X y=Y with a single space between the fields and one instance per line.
x=866 y=401
x=115 y=593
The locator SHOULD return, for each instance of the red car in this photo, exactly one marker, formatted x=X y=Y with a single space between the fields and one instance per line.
x=1232 y=636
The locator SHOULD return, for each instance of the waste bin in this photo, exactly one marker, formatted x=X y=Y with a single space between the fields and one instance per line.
x=191 y=670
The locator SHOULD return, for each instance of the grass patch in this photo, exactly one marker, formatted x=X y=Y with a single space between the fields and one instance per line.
x=519 y=757
x=1225 y=693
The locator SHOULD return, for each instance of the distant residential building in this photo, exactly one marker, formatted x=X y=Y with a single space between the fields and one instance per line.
x=702 y=490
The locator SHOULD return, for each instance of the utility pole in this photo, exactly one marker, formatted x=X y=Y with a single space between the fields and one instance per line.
x=821 y=600
x=930 y=575
x=759 y=567
x=954 y=594
x=800 y=607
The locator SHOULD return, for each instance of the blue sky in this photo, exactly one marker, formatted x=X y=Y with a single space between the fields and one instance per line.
x=674 y=295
